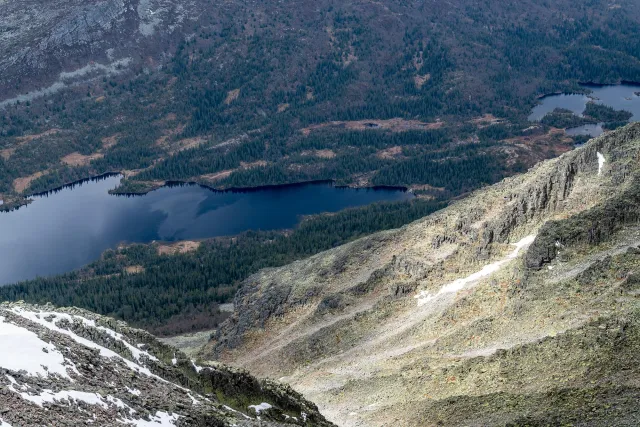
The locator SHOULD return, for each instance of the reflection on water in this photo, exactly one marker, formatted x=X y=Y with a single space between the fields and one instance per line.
x=591 y=130
x=69 y=228
x=620 y=97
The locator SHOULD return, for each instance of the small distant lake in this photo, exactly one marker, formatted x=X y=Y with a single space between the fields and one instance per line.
x=64 y=230
x=620 y=97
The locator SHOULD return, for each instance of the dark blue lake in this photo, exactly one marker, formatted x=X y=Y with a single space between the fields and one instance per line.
x=69 y=228
x=620 y=97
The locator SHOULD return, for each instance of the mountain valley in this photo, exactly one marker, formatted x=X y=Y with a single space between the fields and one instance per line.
x=481 y=269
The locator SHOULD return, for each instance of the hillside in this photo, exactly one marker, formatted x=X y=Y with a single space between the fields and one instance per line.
x=515 y=306
x=242 y=94
x=67 y=367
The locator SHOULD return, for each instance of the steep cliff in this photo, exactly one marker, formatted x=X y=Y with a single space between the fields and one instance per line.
x=69 y=367
x=516 y=305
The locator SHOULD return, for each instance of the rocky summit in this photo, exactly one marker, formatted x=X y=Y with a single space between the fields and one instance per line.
x=518 y=305
x=69 y=367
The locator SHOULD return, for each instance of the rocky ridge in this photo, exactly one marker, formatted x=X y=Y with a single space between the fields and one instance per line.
x=68 y=367
x=47 y=46
x=517 y=305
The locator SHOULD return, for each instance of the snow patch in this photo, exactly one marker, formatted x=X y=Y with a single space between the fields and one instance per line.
x=261 y=407
x=22 y=350
x=104 y=352
x=601 y=161
x=4 y=424
x=133 y=391
x=196 y=367
x=194 y=401
x=48 y=396
x=136 y=352
x=160 y=419
x=424 y=297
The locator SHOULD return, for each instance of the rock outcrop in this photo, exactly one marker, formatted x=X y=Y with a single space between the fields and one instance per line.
x=47 y=46
x=517 y=305
x=69 y=367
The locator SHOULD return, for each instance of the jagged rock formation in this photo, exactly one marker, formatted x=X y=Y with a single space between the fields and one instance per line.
x=68 y=367
x=45 y=46
x=515 y=306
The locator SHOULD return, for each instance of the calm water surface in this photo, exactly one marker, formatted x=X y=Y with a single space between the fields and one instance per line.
x=67 y=229
x=620 y=97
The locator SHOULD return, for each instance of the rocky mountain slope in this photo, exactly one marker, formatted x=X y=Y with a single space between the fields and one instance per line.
x=68 y=367
x=47 y=46
x=515 y=306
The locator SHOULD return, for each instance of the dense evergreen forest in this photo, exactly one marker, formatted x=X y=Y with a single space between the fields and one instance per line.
x=281 y=70
x=593 y=113
x=179 y=293
x=433 y=96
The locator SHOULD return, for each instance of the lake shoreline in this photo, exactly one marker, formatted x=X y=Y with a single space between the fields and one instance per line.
x=73 y=226
x=25 y=200
x=249 y=189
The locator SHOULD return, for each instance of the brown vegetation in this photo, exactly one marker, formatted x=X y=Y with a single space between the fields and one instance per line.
x=110 y=141
x=232 y=95
x=29 y=138
x=77 y=159
x=178 y=247
x=257 y=164
x=322 y=154
x=390 y=153
x=21 y=184
x=218 y=175
x=421 y=80
x=394 y=125
x=7 y=153
x=134 y=269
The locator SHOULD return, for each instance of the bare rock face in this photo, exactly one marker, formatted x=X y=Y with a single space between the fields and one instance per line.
x=46 y=45
x=72 y=367
x=515 y=306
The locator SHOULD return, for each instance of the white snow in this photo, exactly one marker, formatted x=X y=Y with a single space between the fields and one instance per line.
x=601 y=161
x=22 y=350
x=261 y=407
x=11 y=379
x=160 y=419
x=105 y=352
x=48 y=396
x=133 y=391
x=424 y=297
x=194 y=401
x=135 y=351
x=4 y=424
x=196 y=367
x=25 y=343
